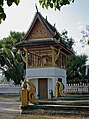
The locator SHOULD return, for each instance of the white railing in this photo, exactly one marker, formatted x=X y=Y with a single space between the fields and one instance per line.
x=10 y=89
x=77 y=88
x=71 y=88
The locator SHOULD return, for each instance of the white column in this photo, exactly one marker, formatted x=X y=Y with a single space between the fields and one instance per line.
x=50 y=86
x=54 y=79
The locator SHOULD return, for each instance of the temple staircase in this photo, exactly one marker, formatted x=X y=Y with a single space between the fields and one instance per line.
x=72 y=105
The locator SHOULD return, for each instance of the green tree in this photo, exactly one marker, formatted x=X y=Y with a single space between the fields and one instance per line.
x=76 y=68
x=11 y=65
x=57 y=4
x=75 y=63
x=9 y=3
x=68 y=41
x=12 y=39
x=10 y=59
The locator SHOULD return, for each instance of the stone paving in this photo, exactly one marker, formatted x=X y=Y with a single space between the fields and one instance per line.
x=9 y=109
x=10 y=104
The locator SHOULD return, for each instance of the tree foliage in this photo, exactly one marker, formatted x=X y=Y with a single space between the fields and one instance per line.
x=57 y=4
x=10 y=59
x=76 y=68
x=9 y=3
x=11 y=40
x=75 y=63
x=12 y=65
x=68 y=41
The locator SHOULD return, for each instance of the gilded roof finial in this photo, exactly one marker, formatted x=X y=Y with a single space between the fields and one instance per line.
x=36 y=7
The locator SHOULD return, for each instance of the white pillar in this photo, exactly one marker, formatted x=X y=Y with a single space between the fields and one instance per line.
x=50 y=86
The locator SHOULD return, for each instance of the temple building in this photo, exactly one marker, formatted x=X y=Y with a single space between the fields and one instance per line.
x=45 y=56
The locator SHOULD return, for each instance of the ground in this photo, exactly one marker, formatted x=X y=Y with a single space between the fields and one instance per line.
x=10 y=109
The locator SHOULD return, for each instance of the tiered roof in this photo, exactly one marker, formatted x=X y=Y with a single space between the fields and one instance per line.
x=55 y=39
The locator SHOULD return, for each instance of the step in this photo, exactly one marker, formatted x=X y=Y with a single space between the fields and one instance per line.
x=75 y=103
x=78 y=97
x=55 y=109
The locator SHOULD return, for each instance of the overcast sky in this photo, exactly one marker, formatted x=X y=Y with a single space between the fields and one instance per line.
x=72 y=17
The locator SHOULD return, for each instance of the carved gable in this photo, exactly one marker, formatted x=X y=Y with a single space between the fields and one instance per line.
x=38 y=31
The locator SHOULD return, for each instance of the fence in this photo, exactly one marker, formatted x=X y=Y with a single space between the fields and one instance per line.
x=77 y=88
x=9 y=89
x=71 y=88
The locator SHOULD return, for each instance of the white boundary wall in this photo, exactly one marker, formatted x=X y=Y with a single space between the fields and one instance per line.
x=77 y=88
x=10 y=89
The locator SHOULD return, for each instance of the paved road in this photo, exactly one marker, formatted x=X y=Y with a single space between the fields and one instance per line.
x=10 y=104
x=9 y=109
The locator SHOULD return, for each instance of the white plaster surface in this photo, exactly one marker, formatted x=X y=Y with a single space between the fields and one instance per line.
x=51 y=73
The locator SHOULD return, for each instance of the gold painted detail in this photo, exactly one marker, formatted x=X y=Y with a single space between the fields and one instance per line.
x=28 y=90
x=55 y=55
x=59 y=89
x=25 y=58
x=31 y=93
x=24 y=94
x=24 y=85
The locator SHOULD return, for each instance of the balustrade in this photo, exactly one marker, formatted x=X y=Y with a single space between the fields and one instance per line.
x=77 y=88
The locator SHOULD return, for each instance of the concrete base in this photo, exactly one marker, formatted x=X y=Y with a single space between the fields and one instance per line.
x=55 y=110
x=71 y=107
